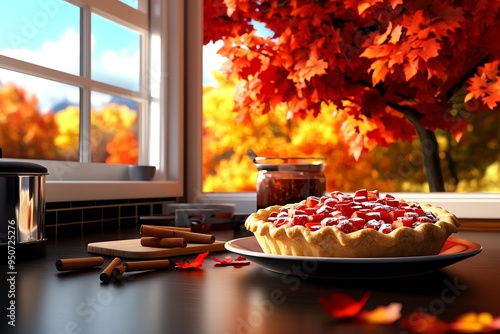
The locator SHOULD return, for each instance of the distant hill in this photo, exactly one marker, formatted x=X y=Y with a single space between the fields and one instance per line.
x=61 y=105
x=129 y=103
x=118 y=100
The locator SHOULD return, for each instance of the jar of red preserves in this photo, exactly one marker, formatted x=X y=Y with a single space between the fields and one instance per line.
x=288 y=180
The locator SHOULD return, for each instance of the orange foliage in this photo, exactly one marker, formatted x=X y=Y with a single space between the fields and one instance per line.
x=113 y=128
x=123 y=149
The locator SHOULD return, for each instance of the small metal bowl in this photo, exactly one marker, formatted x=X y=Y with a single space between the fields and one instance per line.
x=141 y=172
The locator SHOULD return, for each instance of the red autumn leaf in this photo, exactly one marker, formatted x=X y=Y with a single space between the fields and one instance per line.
x=430 y=49
x=306 y=69
x=196 y=264
x=228 y=261
x=417 y=24
x=486 y=85
x=342 y=306
x=495 y=326
x=419 y=322
x=380 y=70
x=394 y=3
x=447 y=19
x=361 y=5
x=382 y=314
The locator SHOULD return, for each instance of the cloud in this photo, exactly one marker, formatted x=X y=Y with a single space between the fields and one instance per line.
x=211 y=61
x=59 y=55
x=118 y=68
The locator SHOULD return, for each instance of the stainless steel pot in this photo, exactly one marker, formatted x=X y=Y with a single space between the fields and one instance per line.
x=22 y=209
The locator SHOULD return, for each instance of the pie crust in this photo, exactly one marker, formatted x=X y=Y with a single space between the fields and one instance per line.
x=425 y=239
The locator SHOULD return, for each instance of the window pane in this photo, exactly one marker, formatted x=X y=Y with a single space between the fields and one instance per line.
x=39 y=118
x=471 y=165
x=45 y=33
x=141 y=5
x=114 y=129
x=115 y=54
x=131 y=3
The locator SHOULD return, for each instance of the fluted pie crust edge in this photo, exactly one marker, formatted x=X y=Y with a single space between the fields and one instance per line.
x=425 y=239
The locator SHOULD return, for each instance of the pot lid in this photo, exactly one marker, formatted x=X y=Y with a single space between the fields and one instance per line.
x=13 y=167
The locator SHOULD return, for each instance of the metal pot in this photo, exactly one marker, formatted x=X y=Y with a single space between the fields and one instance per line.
x=22 y=209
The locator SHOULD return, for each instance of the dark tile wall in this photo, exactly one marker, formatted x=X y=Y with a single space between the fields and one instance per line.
x=72 y=218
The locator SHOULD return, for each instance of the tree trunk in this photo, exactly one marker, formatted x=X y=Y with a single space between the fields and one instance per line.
x=430 y=148
x=432 y=163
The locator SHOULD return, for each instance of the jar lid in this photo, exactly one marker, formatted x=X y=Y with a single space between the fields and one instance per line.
x=12 y=167
x=290 y=164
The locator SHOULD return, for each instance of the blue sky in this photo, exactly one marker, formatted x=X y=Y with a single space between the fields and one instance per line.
x=28 y=23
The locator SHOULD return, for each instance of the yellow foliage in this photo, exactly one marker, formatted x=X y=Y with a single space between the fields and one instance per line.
x=112 y=117
x=68 y=121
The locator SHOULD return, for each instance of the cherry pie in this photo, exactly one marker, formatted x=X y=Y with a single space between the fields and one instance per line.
x=360 y=225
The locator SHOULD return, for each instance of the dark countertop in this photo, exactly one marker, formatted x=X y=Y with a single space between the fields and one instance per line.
x=249 y=299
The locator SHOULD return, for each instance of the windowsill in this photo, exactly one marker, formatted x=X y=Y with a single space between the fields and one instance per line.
x=73 y=181
x=480 y=224
x=62 y=191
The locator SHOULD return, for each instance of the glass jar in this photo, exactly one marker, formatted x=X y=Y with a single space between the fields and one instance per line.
x=282 y=181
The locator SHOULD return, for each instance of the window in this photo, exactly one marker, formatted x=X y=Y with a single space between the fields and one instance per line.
x=85 y=94
x=466 y=205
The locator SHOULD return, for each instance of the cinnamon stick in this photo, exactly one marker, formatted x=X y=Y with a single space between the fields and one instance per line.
x=79 y=263
x=175 y=228
x=146 y=265
x=155 y=231
x=139 y=266
x=118 y=271
x=163 y=242
x=107 y=273
x=169 y=232
x=200 y=238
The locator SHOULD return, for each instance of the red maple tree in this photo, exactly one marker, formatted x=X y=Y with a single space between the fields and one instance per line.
x=395 y=69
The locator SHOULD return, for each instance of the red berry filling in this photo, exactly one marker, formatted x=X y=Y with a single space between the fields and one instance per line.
x=348 y=213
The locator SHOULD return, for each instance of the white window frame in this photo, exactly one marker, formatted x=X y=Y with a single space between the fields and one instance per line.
x=75 y=181
x=464 y=205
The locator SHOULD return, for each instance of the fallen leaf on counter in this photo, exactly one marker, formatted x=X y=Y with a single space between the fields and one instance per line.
x=342 y=306
x=496 y=324
x=472 y=322
x=419 y=322
x=196 y=264
x=382 y=314
x=228 y=261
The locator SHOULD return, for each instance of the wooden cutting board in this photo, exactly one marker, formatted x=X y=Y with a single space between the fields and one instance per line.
x=132 y=248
